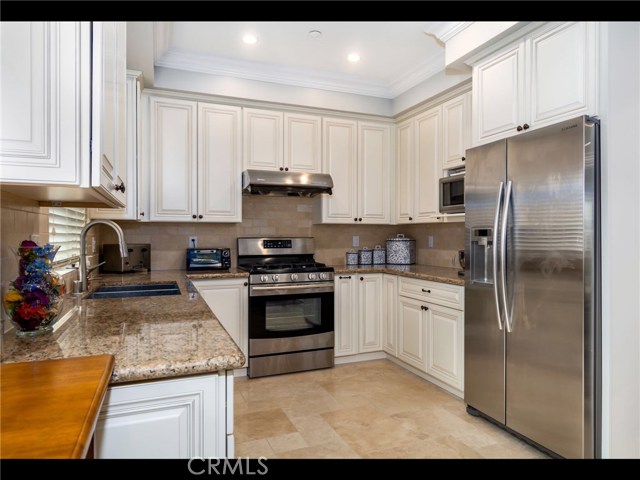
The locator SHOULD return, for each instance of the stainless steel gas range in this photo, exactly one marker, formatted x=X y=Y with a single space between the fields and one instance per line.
x=290 y=305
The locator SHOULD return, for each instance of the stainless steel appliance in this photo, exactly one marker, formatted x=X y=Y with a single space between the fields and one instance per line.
x=291 y=300
x=285 y=183
x=532 y=286
x=452 y=191
x=206 y=259
x=139 y=258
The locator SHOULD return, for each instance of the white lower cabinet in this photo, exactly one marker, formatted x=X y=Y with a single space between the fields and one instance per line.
x=412 y=347
x=228 y=300
x=445 y=344
x=173 y=418
x=358 y=314
x=389 y=316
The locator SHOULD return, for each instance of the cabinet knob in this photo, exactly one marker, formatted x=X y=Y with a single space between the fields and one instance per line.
x=426 y=291
x=200 y=216
x=424 y=308
x=142 y=214
x=355 y=219
x=361 y=278
x=410 y=218
x=286 y=169
x=525 y=126
x=246 y=283
x=194 y=216
x=120 y=188
x=463 y=159
x=519 y=128
x=281 y=169
x=359 y=219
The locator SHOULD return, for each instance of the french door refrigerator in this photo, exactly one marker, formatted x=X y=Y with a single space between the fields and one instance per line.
x=532 y=285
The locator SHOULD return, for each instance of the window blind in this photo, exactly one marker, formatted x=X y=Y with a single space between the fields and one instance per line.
x=65 y=225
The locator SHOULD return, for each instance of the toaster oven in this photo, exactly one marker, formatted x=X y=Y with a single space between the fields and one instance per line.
x=204 y=259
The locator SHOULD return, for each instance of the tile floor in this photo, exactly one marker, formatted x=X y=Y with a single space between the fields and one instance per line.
x=370 y=409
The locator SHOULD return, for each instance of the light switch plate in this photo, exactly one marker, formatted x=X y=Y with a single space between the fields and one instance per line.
x=430 y=241
x=356 y=241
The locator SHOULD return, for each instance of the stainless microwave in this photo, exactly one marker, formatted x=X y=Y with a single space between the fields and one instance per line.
x=452 y=193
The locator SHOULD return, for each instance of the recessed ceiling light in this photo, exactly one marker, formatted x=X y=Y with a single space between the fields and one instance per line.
x=249 y=39
x=353 y=57
x=315 y=33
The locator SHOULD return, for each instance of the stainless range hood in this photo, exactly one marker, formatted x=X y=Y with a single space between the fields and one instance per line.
x=292 y=184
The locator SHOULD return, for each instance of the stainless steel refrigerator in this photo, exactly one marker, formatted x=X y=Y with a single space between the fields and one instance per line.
x=532 y=285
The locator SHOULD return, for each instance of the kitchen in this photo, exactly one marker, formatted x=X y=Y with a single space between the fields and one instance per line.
x=370 y=145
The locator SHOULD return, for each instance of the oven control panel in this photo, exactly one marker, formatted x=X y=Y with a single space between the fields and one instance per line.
x=291 y=277
x=280 y=243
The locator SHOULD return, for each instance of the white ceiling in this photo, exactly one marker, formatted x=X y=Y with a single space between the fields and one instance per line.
x=395 y=56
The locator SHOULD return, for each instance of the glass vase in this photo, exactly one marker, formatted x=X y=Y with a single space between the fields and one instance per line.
x=34 y=301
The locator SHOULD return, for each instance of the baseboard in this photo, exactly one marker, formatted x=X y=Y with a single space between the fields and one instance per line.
x=360 y=357
x=429 y=378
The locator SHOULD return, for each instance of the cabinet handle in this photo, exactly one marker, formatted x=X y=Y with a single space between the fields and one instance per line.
x=246 y=283
x=142 y=214
x=463 y=159
x=426 y=291
x=281 y=169
x=361 y=278
x=525 y=126
x=120 y=188
x=344 y=278
x=286 y=169
x=200 y=216
x=519 y=128
x=194 y=216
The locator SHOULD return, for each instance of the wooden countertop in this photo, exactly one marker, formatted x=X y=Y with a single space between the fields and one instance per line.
x=50 y=408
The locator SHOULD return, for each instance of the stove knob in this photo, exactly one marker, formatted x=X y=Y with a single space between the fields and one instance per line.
x=323 y=276
x=312 y=276
x=276 y=278
x=294 y=277
x=263 y=278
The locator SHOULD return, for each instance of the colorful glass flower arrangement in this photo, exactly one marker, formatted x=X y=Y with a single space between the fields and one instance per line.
x=34 y=301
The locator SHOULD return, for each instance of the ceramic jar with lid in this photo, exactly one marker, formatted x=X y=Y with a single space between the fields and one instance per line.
x=401 y=250
x=352 y=257
x=365 y=256
x=379 y=255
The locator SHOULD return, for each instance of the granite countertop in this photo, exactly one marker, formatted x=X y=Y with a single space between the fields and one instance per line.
x=150 y=337
x=231 y=273
x=422 y=272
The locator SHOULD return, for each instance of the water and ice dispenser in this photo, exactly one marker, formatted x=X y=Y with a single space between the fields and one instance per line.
x=481 y=256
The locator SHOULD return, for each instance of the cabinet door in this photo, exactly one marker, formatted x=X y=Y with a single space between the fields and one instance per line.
x=389 y=314
x=374 y=173
x=456 y=131
x=445 y=344
x=346 y=315
x=262 y=139
x=563 y=73
x=428 y=140
x=302 y=143
x=340 y=161
x=132 y=210
x=412 y=347
x=498 y=96
x=219 y=163
x=370 y=311
x=108 y=142
x=228 y=300
x=405 y=183
x=178 y=418
x=43 y=120
x=173 y=159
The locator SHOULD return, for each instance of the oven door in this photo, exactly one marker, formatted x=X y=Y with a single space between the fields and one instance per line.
x=277 y=311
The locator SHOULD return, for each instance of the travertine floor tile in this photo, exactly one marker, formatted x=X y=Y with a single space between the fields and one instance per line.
x=262 y=424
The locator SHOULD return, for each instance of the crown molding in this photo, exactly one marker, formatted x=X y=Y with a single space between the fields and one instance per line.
x=406 y=80
x=444 y=31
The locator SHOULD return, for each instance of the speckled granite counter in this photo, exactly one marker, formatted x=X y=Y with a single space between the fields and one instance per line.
x=150 y=337
x=231 y=273
x=422 y=272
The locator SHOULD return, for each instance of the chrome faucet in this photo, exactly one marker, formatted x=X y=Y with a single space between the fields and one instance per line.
x=83 y=247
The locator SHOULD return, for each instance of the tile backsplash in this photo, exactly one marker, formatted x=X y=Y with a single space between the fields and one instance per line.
x=285 y=216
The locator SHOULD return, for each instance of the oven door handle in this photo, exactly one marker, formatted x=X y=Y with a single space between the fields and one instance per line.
x=320 y=287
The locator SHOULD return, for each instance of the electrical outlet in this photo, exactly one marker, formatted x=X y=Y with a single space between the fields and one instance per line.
x=430 y=241
x=193 y=242
x=356 y=241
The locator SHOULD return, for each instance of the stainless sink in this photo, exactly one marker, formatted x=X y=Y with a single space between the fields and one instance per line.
x=139 y=290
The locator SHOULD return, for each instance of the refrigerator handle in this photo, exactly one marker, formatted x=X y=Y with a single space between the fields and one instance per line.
x=503 y=257
x=496 y=221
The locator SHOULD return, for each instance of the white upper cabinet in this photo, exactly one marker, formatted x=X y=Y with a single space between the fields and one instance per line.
x=194 y=152
x=405 y=203
x=428 y=140
x=282 y=141
x=173 y=159
x=302 y=143
x=135 y=209
x=357 y=155
x=456 y=131
x=219 y=153
x=498 y=95
x=63 y=111
x=548 y=76
x=563 y=72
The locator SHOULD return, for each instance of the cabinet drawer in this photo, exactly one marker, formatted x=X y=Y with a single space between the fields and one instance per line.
x=433 y=292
